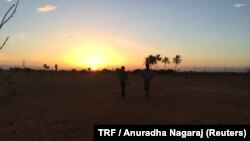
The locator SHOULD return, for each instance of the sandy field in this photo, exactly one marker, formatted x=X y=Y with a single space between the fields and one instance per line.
x=65 y=106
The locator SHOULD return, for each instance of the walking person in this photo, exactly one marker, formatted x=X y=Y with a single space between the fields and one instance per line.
x=147 y=75
x=123 y=78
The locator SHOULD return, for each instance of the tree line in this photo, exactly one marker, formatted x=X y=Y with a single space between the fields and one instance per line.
x=153 y=60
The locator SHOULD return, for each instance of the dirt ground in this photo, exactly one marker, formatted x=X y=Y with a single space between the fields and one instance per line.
x=65 y=106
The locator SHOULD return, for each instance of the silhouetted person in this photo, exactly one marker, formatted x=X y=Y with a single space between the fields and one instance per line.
x=56 y=67
x=147 y=75
x=123 y=77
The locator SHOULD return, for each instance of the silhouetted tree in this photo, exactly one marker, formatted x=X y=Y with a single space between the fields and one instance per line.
x=158 y=59
x=177 y=60
x=166 y=61
x=46 y=67
x=7 y=16
x=106 y=70
x=146 y=61
x=56 y=67
x=151 y=60
x=83 y=71
x=89 y=69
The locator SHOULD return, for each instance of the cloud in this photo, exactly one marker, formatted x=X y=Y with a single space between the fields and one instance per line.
x=46 y=8
x=240 y=5
x=9 y=0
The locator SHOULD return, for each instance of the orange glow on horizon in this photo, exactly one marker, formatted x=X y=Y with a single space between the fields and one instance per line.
x=93 y=55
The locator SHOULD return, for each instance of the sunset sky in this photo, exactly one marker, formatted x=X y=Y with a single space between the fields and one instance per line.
x=111 y=33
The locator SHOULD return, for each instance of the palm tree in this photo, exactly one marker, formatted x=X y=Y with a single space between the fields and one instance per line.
x=46 y=67
x=177 y=60
x=158 y=59
x=151 y=60
x=166 y=61
x=146 y=61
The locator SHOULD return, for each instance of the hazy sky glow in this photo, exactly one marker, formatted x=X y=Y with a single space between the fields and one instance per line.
x=101 y=33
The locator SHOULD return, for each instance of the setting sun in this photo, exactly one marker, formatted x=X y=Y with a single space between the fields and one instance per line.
x=95 y=56
x=94 y=62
